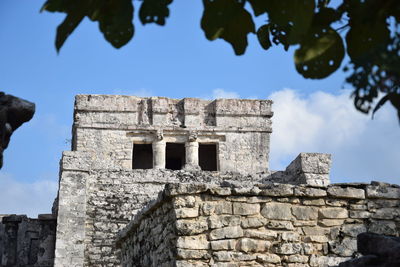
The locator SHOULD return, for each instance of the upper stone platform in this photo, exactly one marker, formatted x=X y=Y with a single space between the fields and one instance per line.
x=157 y=132
x=125 y=111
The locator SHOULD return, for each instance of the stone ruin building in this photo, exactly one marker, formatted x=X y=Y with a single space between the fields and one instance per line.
x=166 y=182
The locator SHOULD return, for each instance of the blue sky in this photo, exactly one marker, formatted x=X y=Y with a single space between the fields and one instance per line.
x=174 y=61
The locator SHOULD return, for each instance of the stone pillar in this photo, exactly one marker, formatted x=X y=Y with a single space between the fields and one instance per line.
x=192 y=156
x=159 y=154
x=10 y=255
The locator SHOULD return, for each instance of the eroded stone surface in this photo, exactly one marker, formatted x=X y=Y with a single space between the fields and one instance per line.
x=246 y=236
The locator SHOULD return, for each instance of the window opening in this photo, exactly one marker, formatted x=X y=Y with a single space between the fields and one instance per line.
x=175 y=156
x=142 y=156
x=208 y=157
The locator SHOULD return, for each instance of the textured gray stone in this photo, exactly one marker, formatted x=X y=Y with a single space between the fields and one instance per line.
x=346 y=192
x=383 y=191
x=226 y=232
x=305 y=213
x=277 y=211
x=333 y=213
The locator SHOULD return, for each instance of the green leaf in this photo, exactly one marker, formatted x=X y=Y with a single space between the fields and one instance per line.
x=259 y=6
x=263 y=36
x=292 y=17
x=115 y=21
x=364 y=38
x=55 y=6
x=325 y=17
x=320 y=54
x=154 y=11
x=381 y=102
x=66 y=28
x=228 y=20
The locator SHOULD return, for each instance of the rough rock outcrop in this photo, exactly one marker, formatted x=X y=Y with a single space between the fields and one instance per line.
x=378 y=250
x=14 y=112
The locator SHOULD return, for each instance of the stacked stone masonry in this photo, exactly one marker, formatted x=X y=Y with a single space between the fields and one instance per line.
x=125 y=149
x=260 y=225
x=95 y=204
x=27 y=242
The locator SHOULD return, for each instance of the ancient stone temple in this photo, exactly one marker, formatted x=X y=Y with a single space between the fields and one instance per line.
x=158 y=181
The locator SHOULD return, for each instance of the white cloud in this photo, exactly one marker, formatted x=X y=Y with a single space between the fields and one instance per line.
x=221 y=93
x=362 y=149
x=26 y=198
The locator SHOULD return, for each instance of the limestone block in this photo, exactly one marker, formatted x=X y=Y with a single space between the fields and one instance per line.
x=290 y=236
x=220 y=207
x=227 y=244
x=333 y=213
x=192 y=242
x=353 y=230
x=309 y=192
x=297 y=258
x=287 y=248
x=106 y=102
x=219 y=221
x=330 y=222
x=317 y=163
x=305 y=213
x=358 y=207
x=188 y=263
x=191 y=227
x=253 y=222
x=276 y=190
x=226 y=256
x=383 y=227
x=316 y=238
x=336 y=202
x=269 y=258
x=261 y=233
x=184 y=201
x=280 y=225
x=314 y=202
x=193 y=254
x=359 y=214
x=277 y=211
x=314 y=179
x=347 y=247
x=315 y=230
x=245 y=208
x=386 y=213
x=76 y=160
x=382 y=203
x=383 y=192
x=253 y=245
x=346 y=192
x=187 y=212
x=326 y=261
x=304 y=223
x=226 y=232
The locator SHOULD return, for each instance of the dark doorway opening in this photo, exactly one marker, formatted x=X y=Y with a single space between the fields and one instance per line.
x=142 y=156
x=175 y=156
x=208 y=157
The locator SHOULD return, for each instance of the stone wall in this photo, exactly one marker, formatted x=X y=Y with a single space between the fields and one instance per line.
x=95 y=203
x=27 y=242
x=262 y=225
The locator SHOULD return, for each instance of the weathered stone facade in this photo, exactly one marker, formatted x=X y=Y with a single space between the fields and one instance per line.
x=27 y=242
x=260 y=225
x=230 y=210
x=116 y=138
